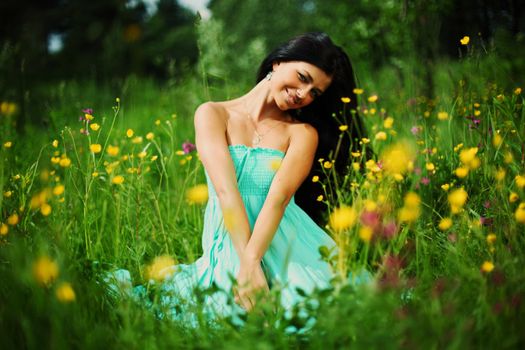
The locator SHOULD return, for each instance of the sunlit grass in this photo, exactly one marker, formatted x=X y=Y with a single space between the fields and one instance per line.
x=436 y=218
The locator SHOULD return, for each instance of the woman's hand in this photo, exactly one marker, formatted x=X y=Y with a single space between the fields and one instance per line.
x=250 y=282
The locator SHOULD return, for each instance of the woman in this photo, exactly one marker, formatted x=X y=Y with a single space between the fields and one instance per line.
x=257 y=150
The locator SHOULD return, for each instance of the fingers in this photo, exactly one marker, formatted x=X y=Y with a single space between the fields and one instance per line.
x=244 y=298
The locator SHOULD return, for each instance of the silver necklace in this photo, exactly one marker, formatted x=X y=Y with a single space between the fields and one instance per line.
x=257 y=138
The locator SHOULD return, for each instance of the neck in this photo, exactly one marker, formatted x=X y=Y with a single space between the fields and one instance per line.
x=259 y=104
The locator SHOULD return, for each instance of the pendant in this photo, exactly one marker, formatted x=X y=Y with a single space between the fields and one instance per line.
x=256 y=139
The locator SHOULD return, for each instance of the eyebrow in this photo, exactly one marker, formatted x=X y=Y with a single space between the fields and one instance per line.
x=310 y=79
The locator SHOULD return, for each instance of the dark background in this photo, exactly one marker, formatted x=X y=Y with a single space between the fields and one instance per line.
x=107 y=40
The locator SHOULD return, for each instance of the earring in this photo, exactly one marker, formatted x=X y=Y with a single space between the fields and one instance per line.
x=269 y=75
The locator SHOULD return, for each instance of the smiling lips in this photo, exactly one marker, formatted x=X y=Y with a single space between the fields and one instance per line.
x=291 y=100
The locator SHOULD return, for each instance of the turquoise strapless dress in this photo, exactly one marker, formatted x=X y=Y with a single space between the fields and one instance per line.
x=291 y=262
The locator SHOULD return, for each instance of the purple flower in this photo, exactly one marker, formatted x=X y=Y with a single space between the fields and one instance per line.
x=425 y=181
x=389 y=230
x=188 y=147
x=81 y=119
x=415 y=130
x=486 y=204
x=370 y=218
x=87 y=110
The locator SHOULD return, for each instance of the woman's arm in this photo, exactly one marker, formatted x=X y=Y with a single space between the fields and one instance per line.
x=292 y=172
x=210 y=139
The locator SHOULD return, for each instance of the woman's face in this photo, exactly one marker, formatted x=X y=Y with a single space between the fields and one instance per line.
x=296 y=84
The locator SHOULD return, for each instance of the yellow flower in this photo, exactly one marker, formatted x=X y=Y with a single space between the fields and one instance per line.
x=4 y=229
x=358 y=91
x=8 y=194
x=320 y=198
x=45 y=209
x=113 y=150
x=364 y=140
x=58 y=190
x=8 y=144
x=141 y=154
x=88 y=116
x=40 y=198
x=513 y=197
x=442 y=115
x=8 y=108
x=406 y=214
x=95 y=148
x=517 y=91
x=137 y=140
x=94 y=126
x=94 y=174
x=118 y=180
x=157 y=122
x=55 y=160
x=343 y=127
x=430 y=166
x=465 y=40
x=55 y=143
x=154 y=158
x=356 y=166
x=467 y=155
x=365 y=233
x=462 y=172
x=487 y=267
x=520 y=213
x=500 y=174
x=387 y=124
x=343 y=218
x=372 y=98
x=150 y=136
x=457 y=199
x=410 y=211
x=508 y=157
x=381 y=136
x=129 y=133
x=491 y=238
x=327 y=164
x=65 y=293
x=197 y=194
x=356 y=154
x=397 y=157
x=520 y=181
x=345 y=99
x=45 y=270
x=13 y=219
x=315 y=178
x=65 y=162
x=161 y=268
x=445 y=187
x=497 y=140
x=275 y=164
x=445 y=224
x=412 y=200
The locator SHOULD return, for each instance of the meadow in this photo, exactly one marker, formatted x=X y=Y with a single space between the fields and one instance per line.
x=437 y=217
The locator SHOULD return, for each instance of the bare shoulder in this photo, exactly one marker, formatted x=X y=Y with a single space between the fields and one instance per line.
x=303 y=133
x=210 y=113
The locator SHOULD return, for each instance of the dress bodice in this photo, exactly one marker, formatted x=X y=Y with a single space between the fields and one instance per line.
x=255 y=168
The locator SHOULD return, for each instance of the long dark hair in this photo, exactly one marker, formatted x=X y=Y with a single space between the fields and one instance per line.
x=318 y=49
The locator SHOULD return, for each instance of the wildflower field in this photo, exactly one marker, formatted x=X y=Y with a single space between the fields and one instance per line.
x=437 y=218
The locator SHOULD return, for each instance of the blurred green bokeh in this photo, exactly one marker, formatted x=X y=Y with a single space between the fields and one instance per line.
x=107 y=41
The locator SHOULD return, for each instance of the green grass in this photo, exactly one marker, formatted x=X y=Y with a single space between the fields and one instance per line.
x=428 y=290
